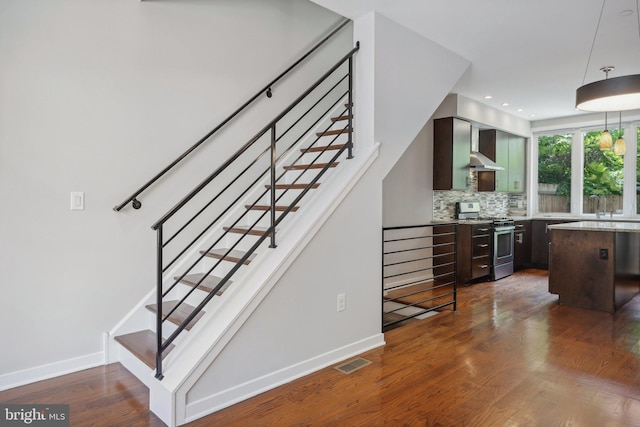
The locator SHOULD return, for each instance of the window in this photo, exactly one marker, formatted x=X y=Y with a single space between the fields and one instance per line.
x=602 y=176
x=575 y=177
x=554 y=173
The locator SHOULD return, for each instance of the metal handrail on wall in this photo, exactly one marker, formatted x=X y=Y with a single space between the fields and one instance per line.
x=266 y=90
x=234 y=182
x=418 y=271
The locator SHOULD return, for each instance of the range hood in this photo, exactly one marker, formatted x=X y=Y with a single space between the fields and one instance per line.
x=480 y=162
x=477 y=160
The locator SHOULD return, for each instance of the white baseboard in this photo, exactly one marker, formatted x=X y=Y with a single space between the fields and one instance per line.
x=51 y=370
x=225 y=398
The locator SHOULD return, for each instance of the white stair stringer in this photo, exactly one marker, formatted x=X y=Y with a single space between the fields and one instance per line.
x=200 y=347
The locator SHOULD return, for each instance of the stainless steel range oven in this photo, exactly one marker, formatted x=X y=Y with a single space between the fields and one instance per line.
x=503 y=243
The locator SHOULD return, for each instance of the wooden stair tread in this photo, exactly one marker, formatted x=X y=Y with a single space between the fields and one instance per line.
x=143 y=345
x=255 y=231
x=339 y=119
x=293 y=186
x=207 y=285
x=322 y=148
x=333 y=132
x=178 y=316
x=267 y=207
x=233 y=256
x=311 y=166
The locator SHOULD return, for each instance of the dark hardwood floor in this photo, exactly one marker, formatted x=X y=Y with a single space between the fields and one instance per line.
x=510 y=356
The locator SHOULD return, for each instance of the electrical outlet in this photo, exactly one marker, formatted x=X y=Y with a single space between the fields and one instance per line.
x=604 y=253
x=342 y=302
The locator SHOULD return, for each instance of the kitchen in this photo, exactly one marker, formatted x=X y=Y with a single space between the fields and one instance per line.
x=482 y=181
x=483 y=196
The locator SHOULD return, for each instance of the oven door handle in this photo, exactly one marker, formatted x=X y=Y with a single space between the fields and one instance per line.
x=504 y=228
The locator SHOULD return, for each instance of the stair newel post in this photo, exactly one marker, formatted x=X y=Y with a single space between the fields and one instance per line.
x=159 y=375
x=273 y=187
x=350 y=110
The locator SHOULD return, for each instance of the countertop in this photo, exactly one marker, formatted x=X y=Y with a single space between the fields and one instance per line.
x=619 y=226
x=591 y=218
x=540 y=218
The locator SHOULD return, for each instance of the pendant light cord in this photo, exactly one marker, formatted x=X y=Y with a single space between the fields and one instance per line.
x=638 y=15
x=620 y=124
x=593 y=43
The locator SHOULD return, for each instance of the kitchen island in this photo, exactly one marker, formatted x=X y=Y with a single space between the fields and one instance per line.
x=595 y=264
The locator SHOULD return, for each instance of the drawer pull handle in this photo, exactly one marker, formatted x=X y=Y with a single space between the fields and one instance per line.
x=483 y=266
x=519 y=225
x=484 y=245
x=483 y=229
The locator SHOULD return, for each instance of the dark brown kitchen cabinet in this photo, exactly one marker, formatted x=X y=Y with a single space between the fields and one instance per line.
x=522 y=245
x=474 y=252
x=540 y=238
x=507 y=151
x=451 y=149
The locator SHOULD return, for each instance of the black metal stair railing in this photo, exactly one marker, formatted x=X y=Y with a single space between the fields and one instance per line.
x=266 y=90
x=418 y=271
x=190 y=232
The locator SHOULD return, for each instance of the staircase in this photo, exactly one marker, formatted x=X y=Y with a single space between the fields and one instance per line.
x=224 y=245
x=233 y=245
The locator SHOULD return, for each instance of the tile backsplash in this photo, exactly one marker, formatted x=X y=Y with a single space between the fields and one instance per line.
x=491 y=203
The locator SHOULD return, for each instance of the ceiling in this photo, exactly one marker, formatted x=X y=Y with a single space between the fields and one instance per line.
x=532 y=55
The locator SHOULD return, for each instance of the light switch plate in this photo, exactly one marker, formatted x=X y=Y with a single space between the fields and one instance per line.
x=77 y=200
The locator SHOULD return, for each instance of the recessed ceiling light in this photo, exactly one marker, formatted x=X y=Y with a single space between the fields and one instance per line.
x=519 y=110
x=505 y=104
x=532 y=115
x=488 y=97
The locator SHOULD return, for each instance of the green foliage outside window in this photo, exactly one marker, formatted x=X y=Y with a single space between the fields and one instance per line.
x=603 y=170
x=554 y=162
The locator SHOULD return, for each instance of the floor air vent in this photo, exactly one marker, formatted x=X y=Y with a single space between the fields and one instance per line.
x=353 y=365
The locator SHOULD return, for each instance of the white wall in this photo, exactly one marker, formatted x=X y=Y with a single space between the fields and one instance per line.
x=298 y=320
x=97 y=97
x=407 y=189
x=482 y=115
x=413 y=76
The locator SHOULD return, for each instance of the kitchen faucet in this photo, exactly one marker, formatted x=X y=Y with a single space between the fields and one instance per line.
x=601 y=199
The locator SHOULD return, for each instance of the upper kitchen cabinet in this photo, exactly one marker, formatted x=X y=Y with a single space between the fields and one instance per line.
x=517 y=164
x=507 y=151
x=451 y=148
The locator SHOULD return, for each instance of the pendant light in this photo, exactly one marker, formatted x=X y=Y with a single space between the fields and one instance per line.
x=619 y=148
x=616 y=94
